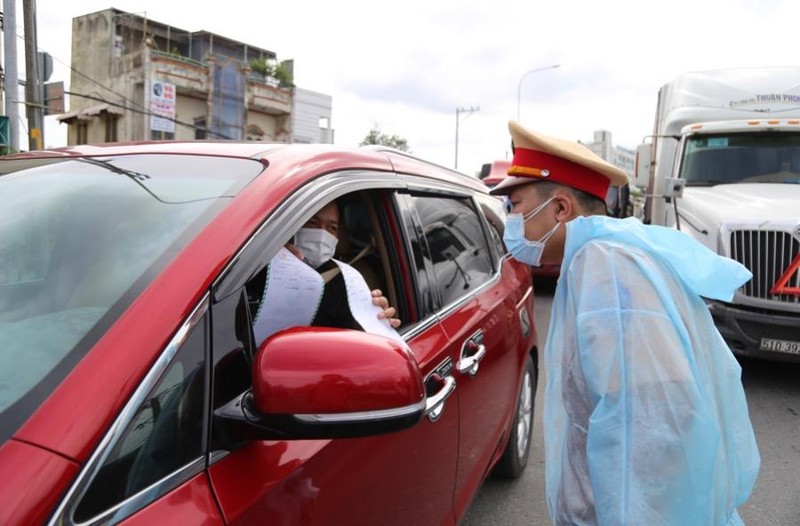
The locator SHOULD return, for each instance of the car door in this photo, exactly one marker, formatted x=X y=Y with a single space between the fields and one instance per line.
x=400 y=478
x=481 y=323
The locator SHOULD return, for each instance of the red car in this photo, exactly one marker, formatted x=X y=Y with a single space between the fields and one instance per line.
x=494 y=172
x=131 y=387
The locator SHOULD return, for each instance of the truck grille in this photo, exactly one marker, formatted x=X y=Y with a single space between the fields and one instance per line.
x=767 y=254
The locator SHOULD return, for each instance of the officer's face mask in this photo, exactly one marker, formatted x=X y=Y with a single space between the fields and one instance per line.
x=317 y=245
x=522 y=249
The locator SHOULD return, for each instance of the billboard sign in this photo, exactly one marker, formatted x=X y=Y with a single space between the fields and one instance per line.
x=162 y=107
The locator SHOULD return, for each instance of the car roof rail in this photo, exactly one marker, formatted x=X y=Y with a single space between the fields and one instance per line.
x=388 y=149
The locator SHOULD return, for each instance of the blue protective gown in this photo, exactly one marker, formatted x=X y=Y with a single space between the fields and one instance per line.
x=646 y=421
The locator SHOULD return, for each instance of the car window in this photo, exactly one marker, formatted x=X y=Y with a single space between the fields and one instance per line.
x=232 y=356
x=164 y=435
x=457 y=244
x=78 y=240
x=364 y=242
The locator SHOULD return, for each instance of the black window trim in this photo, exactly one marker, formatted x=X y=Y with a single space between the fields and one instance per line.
x=64 y=513
x=427 y=319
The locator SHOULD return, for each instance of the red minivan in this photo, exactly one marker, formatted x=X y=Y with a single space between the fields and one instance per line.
x=133 y=389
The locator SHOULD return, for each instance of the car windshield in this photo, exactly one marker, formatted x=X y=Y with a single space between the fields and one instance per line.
x=79 y=239
x=741 y=158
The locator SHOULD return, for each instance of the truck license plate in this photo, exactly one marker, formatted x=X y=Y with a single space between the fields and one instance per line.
x=769 y=344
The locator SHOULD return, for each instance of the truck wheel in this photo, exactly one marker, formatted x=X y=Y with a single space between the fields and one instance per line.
x=515 y=456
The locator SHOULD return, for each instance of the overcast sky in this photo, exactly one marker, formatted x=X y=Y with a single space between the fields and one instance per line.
x=407 y=66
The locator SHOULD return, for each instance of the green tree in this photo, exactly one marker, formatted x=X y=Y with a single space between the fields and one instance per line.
x=375 y=136
x=270 y=68
x=263 y=66
x=283 y=74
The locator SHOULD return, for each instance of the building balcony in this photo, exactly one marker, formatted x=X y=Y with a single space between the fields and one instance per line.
x=188 y=75
x=267 y=97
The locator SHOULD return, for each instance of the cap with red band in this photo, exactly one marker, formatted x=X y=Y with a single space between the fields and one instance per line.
x=538 y=157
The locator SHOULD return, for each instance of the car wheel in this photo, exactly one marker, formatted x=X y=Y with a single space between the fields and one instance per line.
x=515 y=455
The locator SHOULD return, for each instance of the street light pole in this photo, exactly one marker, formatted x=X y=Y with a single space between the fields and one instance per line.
x=471 y=109
x=519 y=87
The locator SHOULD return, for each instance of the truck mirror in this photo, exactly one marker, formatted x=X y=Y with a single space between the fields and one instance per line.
x=643 y=161
x=673 y=187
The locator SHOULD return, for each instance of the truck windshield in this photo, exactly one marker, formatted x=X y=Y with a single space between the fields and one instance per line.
x=756 y=157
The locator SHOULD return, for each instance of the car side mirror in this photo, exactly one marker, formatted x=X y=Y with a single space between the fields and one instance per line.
x=328 y=383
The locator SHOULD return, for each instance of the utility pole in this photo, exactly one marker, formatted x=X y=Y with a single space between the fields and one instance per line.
x=33 y=91
x=470 y=110
x=11 y=87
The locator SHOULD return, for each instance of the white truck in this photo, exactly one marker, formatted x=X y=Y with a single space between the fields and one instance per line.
x=723 y=165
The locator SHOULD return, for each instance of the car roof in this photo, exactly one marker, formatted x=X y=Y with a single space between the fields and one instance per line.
x=326 y=156
x=236 y=149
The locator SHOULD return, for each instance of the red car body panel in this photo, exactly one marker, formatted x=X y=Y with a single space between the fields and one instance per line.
x=483 y=434
x=314 y=482
x=340 y=375
x=38 y=479
x=403 y=164
x=191 y=503
x=277 y=482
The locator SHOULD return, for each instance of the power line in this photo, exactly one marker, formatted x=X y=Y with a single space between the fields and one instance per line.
x=148 y=113
x=85 y=76
x=142 y=111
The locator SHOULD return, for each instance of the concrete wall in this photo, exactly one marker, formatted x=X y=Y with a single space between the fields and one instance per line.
x=187 y=109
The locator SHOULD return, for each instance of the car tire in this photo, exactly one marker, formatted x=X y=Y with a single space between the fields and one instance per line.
x=515 y=456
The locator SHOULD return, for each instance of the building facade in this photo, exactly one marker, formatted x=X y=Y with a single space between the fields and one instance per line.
x=618 y=199
x=137 y=79
x=618 y=156
x=311 y=118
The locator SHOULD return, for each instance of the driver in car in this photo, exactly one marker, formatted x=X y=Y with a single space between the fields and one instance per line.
x=315 y=244
x=297 y=296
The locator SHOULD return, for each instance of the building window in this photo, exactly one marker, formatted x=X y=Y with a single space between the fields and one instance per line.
x=83 y=133
x=200 y=128
x=161 y=135
x=111 y=128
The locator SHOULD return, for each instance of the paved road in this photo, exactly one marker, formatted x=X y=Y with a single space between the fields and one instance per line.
x=773 y=394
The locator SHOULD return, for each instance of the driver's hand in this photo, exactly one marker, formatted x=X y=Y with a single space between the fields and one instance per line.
x=294 y=250
x=388 y=312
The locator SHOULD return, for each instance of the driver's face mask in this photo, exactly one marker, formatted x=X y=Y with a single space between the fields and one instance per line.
x=522 y=249
x=317 y=245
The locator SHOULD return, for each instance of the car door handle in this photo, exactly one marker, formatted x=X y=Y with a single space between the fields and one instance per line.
x=434 y=405
x=472 y=353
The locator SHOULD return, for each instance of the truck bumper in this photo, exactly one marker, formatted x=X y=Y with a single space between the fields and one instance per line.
x=744 y=329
